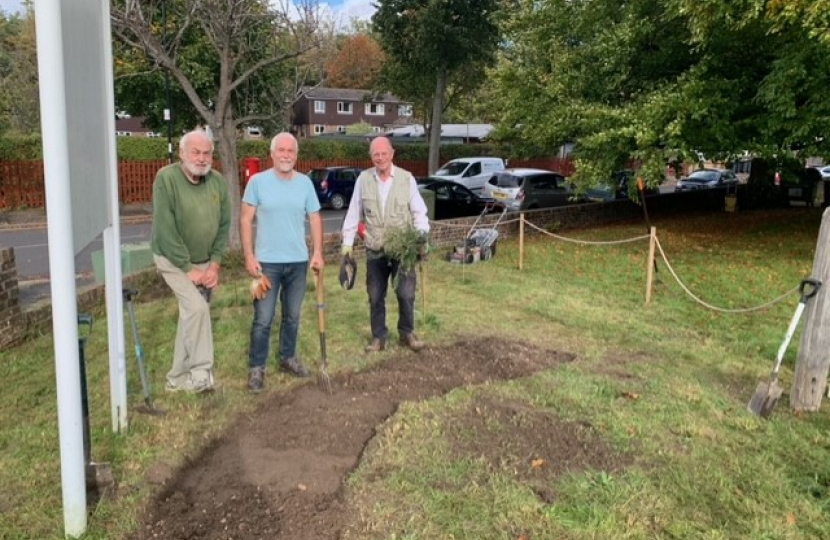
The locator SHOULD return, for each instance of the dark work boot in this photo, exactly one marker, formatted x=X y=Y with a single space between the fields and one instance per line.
x=376 y=345
x=256 y=379
x=412 y=341
x=294 y=367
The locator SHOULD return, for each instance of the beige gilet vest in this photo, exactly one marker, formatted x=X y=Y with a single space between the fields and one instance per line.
x=394 y=215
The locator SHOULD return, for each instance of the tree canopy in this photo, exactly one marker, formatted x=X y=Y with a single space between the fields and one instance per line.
x=239 y=62
x=356 y=64
x=651 y=81
x=431 y=45
x=19 y=105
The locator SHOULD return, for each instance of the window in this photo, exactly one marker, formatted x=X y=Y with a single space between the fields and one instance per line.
x=374 y=108
x=376 y=129
x=341 y=129
x=404 y=110
x=474 y=170
x=319 y=106
x=318 y=129
x=344 y=107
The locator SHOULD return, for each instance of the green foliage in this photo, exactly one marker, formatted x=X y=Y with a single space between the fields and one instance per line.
x=141 y=148
x=19 y=98
x=361 y=128
x=144 y=148
x=405 y=244
x=432 y=45
x=655 y=81
x=20 y=147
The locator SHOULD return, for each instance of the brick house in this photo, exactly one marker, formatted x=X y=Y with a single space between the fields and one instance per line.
x=332 y=110
x=133 y=126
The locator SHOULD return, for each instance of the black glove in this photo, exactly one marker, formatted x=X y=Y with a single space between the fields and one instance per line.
x=348 y=272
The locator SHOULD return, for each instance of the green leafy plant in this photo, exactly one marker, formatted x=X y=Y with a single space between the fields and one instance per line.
x=407 y=245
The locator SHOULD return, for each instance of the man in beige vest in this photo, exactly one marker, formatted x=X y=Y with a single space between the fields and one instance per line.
x=386 y=197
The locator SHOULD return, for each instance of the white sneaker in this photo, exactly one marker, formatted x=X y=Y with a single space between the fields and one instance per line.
x=186 y=386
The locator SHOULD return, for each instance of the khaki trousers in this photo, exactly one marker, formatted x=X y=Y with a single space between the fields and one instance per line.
x=193 y=352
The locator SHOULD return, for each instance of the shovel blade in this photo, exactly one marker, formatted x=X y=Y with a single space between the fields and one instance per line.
x=766 y=396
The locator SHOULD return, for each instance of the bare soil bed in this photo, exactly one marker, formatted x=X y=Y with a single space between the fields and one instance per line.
x=280 y=473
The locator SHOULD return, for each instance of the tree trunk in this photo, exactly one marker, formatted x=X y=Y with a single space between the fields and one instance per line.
x=811 y=366
x=435 y=124
x=230 y=169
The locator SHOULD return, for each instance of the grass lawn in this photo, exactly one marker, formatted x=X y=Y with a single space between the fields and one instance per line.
x=664 y=385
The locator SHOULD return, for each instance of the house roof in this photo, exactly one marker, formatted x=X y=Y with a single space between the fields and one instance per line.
x=462 y=131
x=133 y=124
x=348 y=94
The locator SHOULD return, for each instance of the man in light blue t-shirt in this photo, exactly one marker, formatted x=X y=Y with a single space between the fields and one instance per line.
x=280 y=199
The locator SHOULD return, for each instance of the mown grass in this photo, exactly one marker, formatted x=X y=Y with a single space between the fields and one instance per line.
x=701 y=466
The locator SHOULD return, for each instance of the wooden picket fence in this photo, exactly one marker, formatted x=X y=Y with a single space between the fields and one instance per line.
x=22 y=182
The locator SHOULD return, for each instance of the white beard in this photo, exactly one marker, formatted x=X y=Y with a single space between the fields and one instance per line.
x=197 y=170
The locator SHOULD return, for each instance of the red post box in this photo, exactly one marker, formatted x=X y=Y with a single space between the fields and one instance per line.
x=252 y=165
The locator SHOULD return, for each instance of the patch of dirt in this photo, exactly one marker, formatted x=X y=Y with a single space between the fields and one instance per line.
x=280 y=473
x=536 y=447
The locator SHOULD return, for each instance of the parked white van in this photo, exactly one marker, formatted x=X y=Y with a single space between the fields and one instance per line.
x=471 y=172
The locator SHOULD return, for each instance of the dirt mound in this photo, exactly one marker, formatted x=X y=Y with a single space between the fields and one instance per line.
x=280 y=472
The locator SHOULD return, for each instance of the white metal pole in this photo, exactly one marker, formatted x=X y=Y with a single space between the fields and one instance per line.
x=112 y=251
x=53 y=114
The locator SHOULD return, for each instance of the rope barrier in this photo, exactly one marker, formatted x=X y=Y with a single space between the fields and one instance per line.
x=710 y=306
x=665 y=260
x=587 y=242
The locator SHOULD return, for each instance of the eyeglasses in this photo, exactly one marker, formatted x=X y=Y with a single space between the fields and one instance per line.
x=195 y=152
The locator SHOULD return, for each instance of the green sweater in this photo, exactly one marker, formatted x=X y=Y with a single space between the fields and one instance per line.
x=190 y=221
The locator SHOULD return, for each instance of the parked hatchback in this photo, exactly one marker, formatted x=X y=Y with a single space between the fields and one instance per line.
x=526 y=189
x=334 y=185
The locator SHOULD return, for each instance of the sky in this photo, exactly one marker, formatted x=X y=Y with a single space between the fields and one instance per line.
x=11 y=6
x=342 y=10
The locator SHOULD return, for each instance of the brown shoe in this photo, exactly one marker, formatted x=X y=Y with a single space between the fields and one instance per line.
x=376 y=345
x=412 y=341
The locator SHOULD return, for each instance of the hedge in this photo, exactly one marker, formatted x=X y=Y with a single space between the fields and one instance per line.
x=14 y=148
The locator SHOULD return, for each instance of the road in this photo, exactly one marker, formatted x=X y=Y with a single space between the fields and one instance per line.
x=32 y=253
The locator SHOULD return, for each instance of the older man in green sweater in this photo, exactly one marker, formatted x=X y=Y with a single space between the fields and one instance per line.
x=191 y=222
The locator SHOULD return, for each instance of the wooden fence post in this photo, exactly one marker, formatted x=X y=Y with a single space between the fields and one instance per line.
x=810 y=378
x=521 y=240
x=652 y=240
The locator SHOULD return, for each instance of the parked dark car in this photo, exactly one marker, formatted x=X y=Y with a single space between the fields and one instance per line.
x=617 y=188
x=334 y=185
x=452 y=200
x=707 y=179
x=526 y=189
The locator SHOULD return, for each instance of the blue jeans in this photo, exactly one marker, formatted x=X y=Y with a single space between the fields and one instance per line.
x=379 y=272
x=288 y=283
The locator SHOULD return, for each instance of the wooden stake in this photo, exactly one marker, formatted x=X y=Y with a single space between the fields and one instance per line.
x=652 y=240
x=811 y=366
x=521 y=240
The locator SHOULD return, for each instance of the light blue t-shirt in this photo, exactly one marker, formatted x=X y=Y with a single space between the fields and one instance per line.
x=281 y=209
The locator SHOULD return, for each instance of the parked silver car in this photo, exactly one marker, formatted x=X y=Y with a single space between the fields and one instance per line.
x=707 y=178
x=526 y=189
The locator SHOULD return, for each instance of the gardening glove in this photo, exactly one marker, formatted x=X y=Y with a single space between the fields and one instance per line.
x=348 y=272
x=260 y=287
x=346 y=251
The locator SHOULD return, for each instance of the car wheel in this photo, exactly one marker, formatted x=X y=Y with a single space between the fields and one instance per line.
x=338 y=202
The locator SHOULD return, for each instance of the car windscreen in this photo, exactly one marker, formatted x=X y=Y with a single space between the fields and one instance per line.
x=508 y=181
x=452 y=169
x=702 y=177
x=318 y=174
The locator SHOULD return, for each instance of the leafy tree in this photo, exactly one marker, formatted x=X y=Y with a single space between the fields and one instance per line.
x=19 y=104
x=428 y=45
x=239 y=62
x=652 y=81
x=356 y=65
